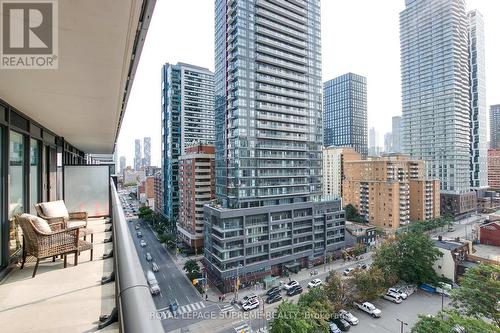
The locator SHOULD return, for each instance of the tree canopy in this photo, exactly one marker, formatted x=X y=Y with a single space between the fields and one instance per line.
x=290 y=318
x=452 y=322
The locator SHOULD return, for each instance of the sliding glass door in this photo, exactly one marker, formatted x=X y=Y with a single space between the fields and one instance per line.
x=16 y=188
x=35 y=174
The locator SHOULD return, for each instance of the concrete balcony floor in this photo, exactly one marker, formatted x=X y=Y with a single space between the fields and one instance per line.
x=60 y=299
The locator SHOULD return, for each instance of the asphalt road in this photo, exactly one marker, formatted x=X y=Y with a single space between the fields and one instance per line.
x=173 y=283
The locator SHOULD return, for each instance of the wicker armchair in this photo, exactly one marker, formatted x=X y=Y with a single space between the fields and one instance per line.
x=45 y=245
x=74 y=219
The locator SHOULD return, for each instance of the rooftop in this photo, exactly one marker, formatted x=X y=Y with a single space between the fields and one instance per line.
x=447 y=245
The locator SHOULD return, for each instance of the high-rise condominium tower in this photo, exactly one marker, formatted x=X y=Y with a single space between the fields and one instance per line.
x=396 y=134
x=436 y=124
x=479 y=140
x=345 y=119
x=268 y=130
x=495 y=126
x=138 y=155
x=187 y=118
x=147 y=151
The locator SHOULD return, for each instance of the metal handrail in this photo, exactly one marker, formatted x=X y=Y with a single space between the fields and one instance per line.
x=136 y=309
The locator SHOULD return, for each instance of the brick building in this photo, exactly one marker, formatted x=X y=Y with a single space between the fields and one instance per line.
x=494 y=169
x=489 y=233
x=196 y=188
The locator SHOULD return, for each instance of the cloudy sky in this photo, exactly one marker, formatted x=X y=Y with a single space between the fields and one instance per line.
x=360 y=36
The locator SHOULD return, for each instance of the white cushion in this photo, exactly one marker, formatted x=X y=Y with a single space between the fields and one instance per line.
x=55 y=209
x=39 y=223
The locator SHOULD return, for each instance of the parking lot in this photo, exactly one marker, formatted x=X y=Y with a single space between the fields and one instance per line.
x=419 y=303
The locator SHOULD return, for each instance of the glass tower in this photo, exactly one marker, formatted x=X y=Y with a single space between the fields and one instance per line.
x=345 y=119
x=187 y=119
x=435 y=89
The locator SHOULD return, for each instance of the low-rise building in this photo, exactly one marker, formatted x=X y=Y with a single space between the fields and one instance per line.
x=453 y=261
x=333 y=169
x=363 y=234
x=390 y=191
x=489 y=233
x=196 y=188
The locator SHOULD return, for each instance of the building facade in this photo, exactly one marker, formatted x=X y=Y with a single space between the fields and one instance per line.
x=138 y=155
x=390 y=191
x=268 y=129
x=123 y=164
x=436 y=123
x=196 y=188
x=495 y=126
x=187 y=118
x=374 y=148
x=158 y=192
x=345 y=118
x=479 y=122
x=147 y=152
x=396 y=134
x=494 y=169
x=388 y=143
x=333 y=169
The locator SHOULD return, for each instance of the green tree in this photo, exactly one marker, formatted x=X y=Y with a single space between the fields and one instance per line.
x=290 y=318
x=368 y=284
x=192 y=268
x=318 y=308
x=479 y=293
x=337 y=291
x=410 y=257
x=351 y=214
x=452 y=322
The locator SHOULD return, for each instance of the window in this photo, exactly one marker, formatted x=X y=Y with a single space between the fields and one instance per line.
x=16 y=188
x=35 y=180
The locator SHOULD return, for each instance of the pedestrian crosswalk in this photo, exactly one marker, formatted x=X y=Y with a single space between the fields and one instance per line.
x=227 y=308
x=182 y=309
x=242 y=328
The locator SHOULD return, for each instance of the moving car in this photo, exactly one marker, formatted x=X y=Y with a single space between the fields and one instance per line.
x=272 y=291
x=398 y=291
x=363 y=266
x=294 y=290
x=137 y=227
x=290 y=285
x=370 y=309
x=334 y=328
x=139 y=234
x=342 y=324
x=393 y=297
x=274 y=298
x=173 y=307
x=348 y=271
x=143 y=243
x=248 y=298
x=347 y=316
x=148 y=256
x=155 y=267
x=154 y=288
x=315 y=283
x=250 y=305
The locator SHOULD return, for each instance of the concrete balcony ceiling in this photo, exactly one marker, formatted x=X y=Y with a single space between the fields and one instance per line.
x=100 y=42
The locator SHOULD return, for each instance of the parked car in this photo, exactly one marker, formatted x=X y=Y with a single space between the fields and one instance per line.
x=294 y=291
x=137 y=227
x=155 y=267
x=273 y=290
x=315 y=283
x=398 y=291
x=250 y=305
x=148 y=256
x=334 y=328
x=363 y=266
x=290 y=285
x=248 y=298
x=139 y=234
x=274 y=298
x=348 y=271
x=143 y=243
x=393 y=297
x=342 y=324
x=347 y=316
x=370 y=309
x=154 y=288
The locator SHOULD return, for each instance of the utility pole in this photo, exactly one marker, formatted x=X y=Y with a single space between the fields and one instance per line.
x=402 y=324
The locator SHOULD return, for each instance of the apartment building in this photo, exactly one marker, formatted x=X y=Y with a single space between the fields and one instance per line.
x=196 y=188
x=333 y=169
x=390 y=191
x=494 y=169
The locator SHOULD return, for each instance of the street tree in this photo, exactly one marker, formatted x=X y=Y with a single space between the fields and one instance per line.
x=368 y=284
x=338 y=293
x=290 y=318
x=192 y=268
x=452 y=322
x=479 y=293
x=410 y=257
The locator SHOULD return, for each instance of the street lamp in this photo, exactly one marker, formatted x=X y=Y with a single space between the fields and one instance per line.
x=402 y=324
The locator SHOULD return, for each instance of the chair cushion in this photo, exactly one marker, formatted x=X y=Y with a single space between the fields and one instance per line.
x=55 y=209
x=39 y=223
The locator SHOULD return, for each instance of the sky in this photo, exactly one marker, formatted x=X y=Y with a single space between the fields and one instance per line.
x=359 y=36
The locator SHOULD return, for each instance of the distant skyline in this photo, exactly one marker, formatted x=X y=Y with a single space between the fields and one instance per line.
x=359 y=36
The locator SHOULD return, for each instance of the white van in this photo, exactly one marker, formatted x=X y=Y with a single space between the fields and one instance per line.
x=153 y=284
